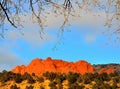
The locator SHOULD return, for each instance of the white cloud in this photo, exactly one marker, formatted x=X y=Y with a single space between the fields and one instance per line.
x=55 y=21
x=92 y=18
x=31 y=36
x=90 y=38
x=8 y=59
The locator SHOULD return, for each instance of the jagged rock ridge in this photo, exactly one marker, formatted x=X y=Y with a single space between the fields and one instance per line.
x=39 y=66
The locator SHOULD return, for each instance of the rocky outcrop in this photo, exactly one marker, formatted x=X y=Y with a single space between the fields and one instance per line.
x=98 y=67
x=106 y=70
x=39 y=66
x=19 y=69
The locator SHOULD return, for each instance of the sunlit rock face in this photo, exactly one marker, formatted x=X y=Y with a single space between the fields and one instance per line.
x=106 y=70
x=19 y=69
x=39 y=66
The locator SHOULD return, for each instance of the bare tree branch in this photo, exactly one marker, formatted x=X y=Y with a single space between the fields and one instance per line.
x=11 y=9
x=8 y=18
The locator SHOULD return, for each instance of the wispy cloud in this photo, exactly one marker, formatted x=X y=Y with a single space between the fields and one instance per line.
x=8 y=56
x=30 y=35
x=8 y=59
x=90 y=38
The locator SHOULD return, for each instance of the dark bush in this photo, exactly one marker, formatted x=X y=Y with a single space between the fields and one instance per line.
x=4 y=76
x=76 y=86
x=96 y=86
x=60 y=86
x=86 y=79
x=99 y=82
x=33 y=74
x=95 y=75
x=72 y=77
x=116 y=79
x=25 y=76
x=30 y=80
x=104 y=77
x=80 y=79
x=40 y=79
x=60 y=78
x=46 y=74
x=29 y=87
x=28 y=77
x=17 y=78
x=41 y=87
x=101 y=85
x=14 y=87
x=114 y=86
x=52 y=85
x=112 y=74
x=107 y=86
x=50 y=75
x=90 y=76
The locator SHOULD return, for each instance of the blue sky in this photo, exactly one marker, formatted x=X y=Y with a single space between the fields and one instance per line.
x=82 y=40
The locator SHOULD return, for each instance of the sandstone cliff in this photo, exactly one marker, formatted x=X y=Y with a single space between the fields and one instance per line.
x=39 y=66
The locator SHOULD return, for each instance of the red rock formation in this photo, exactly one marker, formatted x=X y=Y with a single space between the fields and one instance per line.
x=106 y=70
x=39 y=66
x=20 y=69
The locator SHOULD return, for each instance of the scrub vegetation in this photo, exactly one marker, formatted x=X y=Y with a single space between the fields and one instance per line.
x=50 y=80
